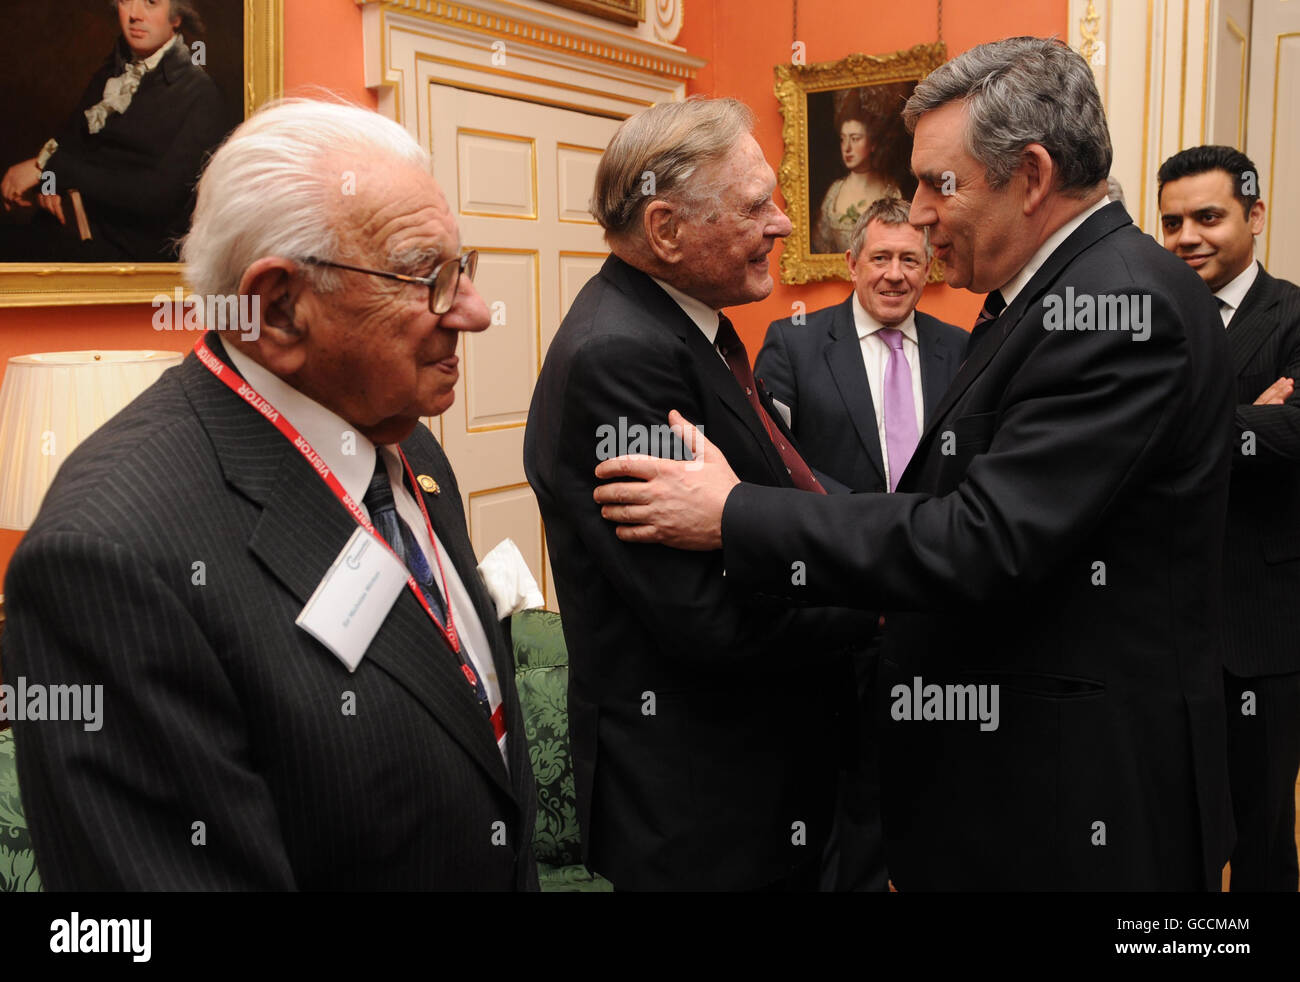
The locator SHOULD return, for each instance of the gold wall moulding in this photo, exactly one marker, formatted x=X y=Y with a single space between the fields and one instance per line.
x=75 y=284
x=554 y=33
x=820 y=104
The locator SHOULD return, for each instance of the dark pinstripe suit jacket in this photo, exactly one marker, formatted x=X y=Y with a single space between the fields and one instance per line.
x=217 y=708
x=1262 y=546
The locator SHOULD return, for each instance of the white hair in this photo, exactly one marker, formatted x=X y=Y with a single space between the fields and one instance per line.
x=268 y=190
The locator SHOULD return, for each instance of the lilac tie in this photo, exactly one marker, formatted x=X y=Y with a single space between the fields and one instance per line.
x=900 y=410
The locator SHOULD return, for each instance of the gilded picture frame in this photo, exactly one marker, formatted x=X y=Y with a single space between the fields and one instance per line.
x=80 y=284
x=812 y=98
x=630 y=12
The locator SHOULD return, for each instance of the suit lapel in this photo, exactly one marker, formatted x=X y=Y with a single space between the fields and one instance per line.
x=844 y=358
x=302 y=529
x=936 y=357
x=1251 y=324
x=448 y=522
x=728 y=390
x=663 y=310
x=1104 y=222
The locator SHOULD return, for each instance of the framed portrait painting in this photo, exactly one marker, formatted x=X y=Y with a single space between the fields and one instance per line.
x=845 y=146
x=111 y=110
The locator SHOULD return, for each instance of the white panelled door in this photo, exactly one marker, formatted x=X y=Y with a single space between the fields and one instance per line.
x=519 y=176
x=1273 y=131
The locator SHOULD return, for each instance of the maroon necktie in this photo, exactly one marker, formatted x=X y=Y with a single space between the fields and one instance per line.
x=733 y=350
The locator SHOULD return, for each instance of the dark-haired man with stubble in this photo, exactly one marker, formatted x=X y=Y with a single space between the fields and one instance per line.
x=1210 y=213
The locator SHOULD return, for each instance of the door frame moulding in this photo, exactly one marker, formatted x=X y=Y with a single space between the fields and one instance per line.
x=516 y=51
x=1161 y=49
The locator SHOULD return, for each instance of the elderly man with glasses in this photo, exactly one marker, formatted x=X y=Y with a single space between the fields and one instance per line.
x=264 y=561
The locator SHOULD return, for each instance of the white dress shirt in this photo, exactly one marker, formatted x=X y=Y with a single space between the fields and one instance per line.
x=875 y=356
x=1013 y=286
x=324 y=430
x=705 y=317
x=1232 y=293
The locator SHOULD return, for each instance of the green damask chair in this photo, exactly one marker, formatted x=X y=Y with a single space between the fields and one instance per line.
x=542 y=678
x=17 y=860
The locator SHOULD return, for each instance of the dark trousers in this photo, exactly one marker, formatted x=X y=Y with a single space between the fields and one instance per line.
x=854 y=858
x=1263 y=758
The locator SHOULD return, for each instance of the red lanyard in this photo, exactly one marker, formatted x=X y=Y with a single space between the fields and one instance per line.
x=250 y=395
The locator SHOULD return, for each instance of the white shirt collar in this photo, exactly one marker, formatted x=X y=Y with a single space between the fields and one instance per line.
x=151 y=62
x=866 y=324
x=1234 y=291
x=1018 y=282
x=323 y=429
x=704 y=316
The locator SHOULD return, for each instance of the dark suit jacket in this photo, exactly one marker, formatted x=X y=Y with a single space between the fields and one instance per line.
x=703 y=740
x=816 y=369
x=1262 y=548
x=137 y=175
x=1051 y=452
x=217 y=708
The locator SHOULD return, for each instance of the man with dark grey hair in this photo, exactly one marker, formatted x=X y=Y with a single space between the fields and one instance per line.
x=703 y=723
x=1051 y=561
x=858 y=381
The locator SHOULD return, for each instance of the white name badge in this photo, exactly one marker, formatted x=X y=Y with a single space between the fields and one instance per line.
x=783 y=409
x=352 y=600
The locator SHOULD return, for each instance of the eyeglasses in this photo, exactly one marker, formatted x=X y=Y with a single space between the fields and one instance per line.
x=442 y=282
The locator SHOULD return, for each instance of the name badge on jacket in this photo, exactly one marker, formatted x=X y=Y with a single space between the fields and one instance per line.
x=353 y=598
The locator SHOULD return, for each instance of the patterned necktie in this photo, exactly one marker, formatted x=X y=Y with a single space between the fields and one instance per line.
x=733 y=350
x=383 y=515
x=993 y=306
x=901 y=431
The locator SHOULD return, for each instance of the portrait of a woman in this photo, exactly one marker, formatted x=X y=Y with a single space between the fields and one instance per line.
x=850 y=195
x=858 y=151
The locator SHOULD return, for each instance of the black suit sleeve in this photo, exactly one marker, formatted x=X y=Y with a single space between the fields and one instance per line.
x=114 y=808
x=686 y=601
x=1071 y=431
x=162 y=190
x=1276 y=428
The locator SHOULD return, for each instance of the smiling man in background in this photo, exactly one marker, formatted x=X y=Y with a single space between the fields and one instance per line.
x=1210 y=213
x=857 y=381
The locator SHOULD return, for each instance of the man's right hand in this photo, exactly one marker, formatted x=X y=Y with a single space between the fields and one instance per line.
x=1277 y=393
x=18 y=181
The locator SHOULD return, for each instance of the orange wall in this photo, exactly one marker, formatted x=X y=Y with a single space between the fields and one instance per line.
x=744 y=39
x=322 y=48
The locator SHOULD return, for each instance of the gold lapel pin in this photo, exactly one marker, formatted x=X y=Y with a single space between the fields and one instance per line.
x=428 y=484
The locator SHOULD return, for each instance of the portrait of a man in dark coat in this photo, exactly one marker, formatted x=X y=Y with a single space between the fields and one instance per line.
x=114 y=181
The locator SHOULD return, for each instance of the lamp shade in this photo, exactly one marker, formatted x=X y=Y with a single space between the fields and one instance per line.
x=49 y=404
